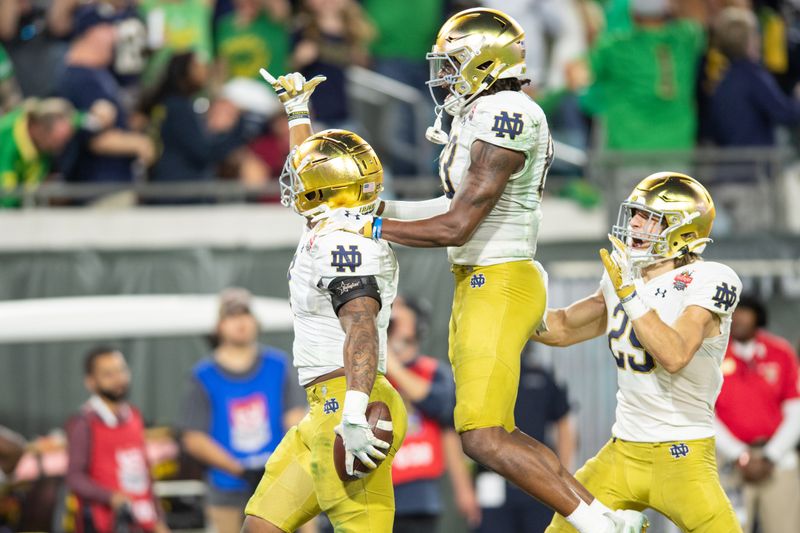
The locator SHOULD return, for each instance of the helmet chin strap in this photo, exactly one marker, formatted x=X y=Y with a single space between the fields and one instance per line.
x=435 y=133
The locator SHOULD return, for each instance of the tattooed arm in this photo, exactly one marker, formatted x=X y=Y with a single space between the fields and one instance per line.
x=361 y=344
x=489 y=171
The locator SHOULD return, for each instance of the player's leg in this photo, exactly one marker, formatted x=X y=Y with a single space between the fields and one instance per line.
x=495 y=310
x=284 y=499
x=536 y=471
x=363 y=505
x=619 y=476
x=686 y=488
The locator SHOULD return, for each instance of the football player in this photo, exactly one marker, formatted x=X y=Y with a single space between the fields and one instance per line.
x=667 y=315
x=341 y=289
x=493 y=169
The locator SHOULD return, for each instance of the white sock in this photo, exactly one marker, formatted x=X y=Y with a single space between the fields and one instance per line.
x=598 y=507
x=585 y=519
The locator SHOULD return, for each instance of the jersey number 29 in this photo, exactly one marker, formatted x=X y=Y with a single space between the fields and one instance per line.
x=638 y=361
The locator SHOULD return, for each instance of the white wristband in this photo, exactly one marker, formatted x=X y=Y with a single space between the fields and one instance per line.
x=355 y=405
x=635 y=307
x=298 y=121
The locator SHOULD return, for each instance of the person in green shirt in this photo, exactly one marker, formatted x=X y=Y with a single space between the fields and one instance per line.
x=253 y=36
x=405 y=31
x=30 y=135
x=644 y=80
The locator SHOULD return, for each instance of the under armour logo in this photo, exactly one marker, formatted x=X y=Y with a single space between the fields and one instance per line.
x=348 y=214
x=679 y=450
x=505 y=125
x=477 y=281
x=661 y=292
x=342 y=259
x=724 y=297
x=330 y=406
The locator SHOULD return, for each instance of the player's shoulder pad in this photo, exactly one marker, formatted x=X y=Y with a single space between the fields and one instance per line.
x=508 y=118
x=712 y=271
x=342 y=253
x=711 y=285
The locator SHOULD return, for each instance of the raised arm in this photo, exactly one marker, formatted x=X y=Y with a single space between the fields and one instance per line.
x=583 y=320
x=674 y=346
x=490 y=169
x=294 y=92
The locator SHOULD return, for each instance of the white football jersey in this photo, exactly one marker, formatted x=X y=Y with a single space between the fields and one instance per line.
x=652 y=404
x=512 y=120
x=320 y=258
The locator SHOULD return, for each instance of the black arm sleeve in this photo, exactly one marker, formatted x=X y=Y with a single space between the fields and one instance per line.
x=344 y=289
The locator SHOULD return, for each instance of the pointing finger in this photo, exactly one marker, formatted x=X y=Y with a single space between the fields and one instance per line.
x=269 y=78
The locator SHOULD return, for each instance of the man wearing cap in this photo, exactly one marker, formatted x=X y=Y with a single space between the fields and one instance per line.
x=106 y=156
x=240 y=402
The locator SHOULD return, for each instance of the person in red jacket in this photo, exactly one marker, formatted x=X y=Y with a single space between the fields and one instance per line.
x=108 y=470
x=758 y=420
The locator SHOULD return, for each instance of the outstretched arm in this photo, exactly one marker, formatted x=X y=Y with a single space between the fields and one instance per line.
x=490 y=169
x=583 y=320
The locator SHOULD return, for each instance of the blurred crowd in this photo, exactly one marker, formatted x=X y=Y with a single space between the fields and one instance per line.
x=166 y=91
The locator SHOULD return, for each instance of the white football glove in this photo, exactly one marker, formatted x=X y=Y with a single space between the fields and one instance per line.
x=345 y=219
x=358 y=438
x=294 y=92
x=627 y=521
x=359 y=442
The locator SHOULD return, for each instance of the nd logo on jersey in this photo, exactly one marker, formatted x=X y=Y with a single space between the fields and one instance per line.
x=724 y=297
x=342 y=259
x=505 y=125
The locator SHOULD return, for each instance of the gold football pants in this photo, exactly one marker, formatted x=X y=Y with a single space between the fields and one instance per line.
x=300 y=478
x=495 y=311
x=677 y=479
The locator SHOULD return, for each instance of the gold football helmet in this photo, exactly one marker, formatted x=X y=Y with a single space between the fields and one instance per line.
x=474 y=49
x=330 y=169
x=676 y=203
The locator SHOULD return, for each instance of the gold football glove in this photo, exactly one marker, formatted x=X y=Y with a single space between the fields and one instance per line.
x=618 y=266
x=294 y=92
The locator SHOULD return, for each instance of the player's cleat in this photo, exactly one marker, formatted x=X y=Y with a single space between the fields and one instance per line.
x=628 y=521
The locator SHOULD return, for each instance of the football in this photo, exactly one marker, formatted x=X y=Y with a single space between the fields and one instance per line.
x=378 y=418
